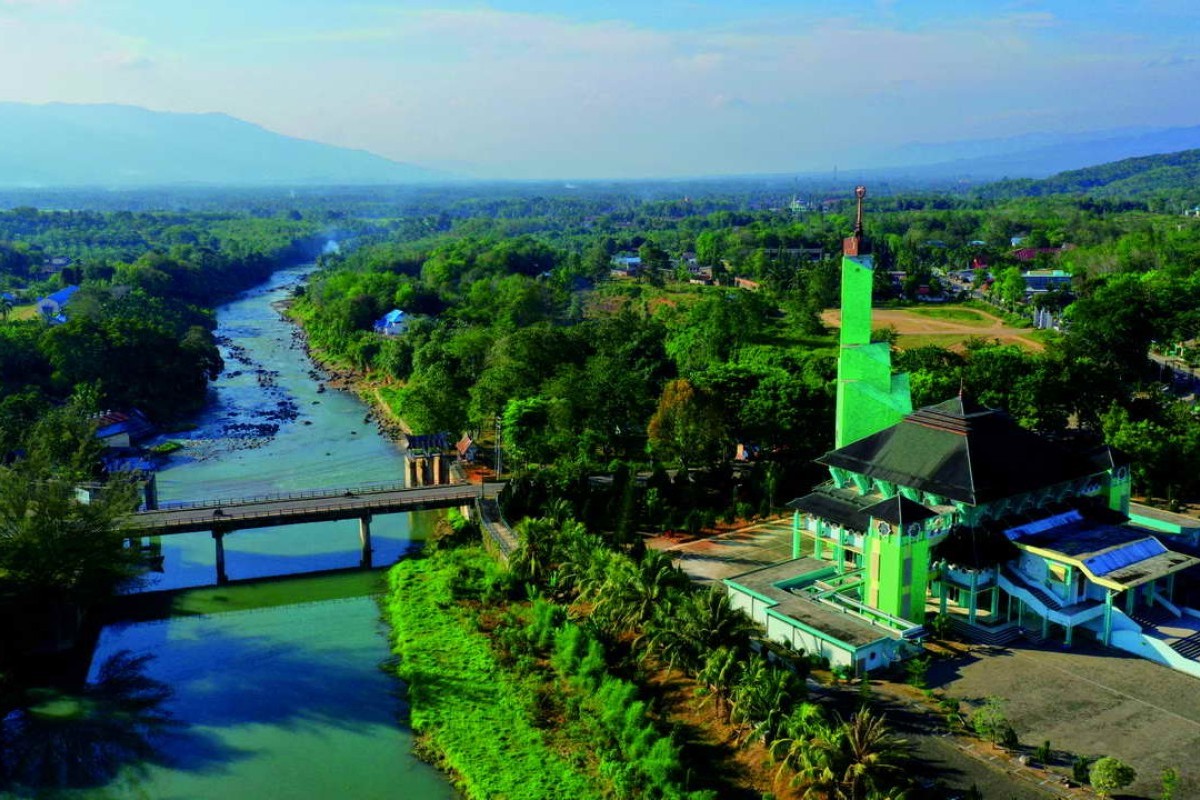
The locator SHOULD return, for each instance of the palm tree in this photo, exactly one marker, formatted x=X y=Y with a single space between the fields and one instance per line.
x=866 y=756
x=634 y=593
x=535 y=552
x=763 y=698
x=720 y=674
x=806 y=747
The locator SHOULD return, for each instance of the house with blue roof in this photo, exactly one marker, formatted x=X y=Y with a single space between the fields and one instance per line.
x=393 y=323
x=51 y=306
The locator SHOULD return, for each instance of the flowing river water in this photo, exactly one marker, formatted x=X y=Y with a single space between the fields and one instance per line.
x=287 y=700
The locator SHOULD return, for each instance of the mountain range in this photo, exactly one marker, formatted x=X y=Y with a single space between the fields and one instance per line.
x=60 y=144
x=1032 y=155
x=117 y=146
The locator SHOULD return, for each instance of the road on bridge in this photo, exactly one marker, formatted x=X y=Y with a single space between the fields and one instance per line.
x=241 y=514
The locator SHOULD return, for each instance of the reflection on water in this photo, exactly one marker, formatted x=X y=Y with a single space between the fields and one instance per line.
x=57 y=740
x=279 y=702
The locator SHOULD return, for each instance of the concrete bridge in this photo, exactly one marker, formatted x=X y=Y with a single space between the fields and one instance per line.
x=225 y=516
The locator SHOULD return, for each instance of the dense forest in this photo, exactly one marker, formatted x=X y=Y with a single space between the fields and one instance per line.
x=514 y=316
x=139 y=329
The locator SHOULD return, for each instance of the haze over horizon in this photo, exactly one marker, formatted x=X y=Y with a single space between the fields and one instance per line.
x=534 y=89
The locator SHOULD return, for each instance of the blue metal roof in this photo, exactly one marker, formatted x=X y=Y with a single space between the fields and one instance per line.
x=1123 y=556
x=63 y=295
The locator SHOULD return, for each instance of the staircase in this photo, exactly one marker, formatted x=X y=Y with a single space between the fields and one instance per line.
x=1153 y=617
x=1189 y=647
x=1048 y=600
x=996 y=637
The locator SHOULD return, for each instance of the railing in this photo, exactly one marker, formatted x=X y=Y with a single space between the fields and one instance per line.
x=306 y=494
x=166 y=519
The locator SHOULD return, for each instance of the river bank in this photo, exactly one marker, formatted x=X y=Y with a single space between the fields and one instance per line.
x=270 y=686
x=334 y=374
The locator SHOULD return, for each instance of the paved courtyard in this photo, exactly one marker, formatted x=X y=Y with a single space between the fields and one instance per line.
x=1085 y=701
x=1092 y=702
x=729 y=554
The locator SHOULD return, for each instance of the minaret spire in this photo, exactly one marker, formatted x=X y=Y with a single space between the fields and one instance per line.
x=853 y=245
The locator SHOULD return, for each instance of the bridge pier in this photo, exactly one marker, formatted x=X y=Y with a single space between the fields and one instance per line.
x=364 y=538
x=219 y=540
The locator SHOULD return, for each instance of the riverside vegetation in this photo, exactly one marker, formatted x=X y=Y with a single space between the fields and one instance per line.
x=532 y=681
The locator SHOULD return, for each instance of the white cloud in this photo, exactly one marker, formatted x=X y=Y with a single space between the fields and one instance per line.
x=538 y=95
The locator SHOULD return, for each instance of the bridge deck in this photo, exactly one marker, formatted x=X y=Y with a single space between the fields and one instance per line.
x=241 y=514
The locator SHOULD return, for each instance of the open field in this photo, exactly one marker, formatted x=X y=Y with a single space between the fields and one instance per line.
x=18 y=313
x=945 y=326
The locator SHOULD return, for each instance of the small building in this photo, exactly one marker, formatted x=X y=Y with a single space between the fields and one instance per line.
x=393 y=323
x=1038 y=281
x=51 y=306
x=123 y=428
x=466 y=449
x=626 y=266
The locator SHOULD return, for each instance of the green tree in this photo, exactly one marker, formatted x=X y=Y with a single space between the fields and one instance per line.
x=1109 y=774
x=686 y=427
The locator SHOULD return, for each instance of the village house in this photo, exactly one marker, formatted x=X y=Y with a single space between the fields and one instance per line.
x=51 y=306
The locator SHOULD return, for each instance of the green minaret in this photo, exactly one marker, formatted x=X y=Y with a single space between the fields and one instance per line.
x=869 y=397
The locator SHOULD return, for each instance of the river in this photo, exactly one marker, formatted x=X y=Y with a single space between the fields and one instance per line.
x=287 y=700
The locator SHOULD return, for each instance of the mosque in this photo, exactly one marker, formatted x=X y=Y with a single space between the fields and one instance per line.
x=957 y=514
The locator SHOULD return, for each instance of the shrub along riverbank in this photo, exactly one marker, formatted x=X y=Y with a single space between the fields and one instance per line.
x=467 y=711
x=514 y=700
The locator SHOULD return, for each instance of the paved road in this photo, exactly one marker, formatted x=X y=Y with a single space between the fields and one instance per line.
x=310 y=507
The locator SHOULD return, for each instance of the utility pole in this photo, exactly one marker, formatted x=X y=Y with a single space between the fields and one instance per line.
x=499 y=426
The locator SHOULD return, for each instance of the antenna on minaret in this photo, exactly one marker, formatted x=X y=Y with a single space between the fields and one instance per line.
x=853 y=246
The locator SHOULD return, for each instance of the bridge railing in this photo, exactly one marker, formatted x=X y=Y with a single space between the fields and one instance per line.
x=163 y=519
x=304 y=494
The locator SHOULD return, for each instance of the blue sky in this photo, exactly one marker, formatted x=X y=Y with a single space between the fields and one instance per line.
x=545 y=89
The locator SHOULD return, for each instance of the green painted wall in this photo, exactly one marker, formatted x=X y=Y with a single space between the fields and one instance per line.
x=887 y=588
x=869 y=397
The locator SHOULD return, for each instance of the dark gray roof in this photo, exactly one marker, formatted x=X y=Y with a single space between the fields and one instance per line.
x=962 y=451
x=899 y=511
x=838 y=507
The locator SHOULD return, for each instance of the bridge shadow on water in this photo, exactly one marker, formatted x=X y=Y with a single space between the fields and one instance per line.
x=302 y=664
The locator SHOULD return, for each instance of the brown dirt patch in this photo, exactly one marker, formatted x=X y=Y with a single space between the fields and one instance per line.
x=711 y=743
x=921 y=329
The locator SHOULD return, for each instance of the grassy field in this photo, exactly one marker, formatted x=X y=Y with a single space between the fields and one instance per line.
x=965 y=316
x=20 y=313
x=463 y=705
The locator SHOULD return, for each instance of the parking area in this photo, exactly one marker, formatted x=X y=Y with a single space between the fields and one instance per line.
x=1090 y=701
x=1084 y=701
x=729 y=554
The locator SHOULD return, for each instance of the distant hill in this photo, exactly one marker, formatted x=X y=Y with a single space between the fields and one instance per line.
x=1033 y=155
x=59 y=144
x=1167 y=174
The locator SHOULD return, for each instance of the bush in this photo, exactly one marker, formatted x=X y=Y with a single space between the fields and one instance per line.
x=1079 y=769
x=1109 y=773
x=918 y=672
x=992 y=724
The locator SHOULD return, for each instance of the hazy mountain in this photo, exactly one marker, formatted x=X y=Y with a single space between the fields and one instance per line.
x=1035 y=155
x=61 y=144
x=1167 y=175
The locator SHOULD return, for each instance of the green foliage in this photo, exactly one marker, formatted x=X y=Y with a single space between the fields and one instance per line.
x=917 y=670
x=1080 y=768
x=460 y=697
x=1108 y=774
x=991 y=723
x=1170 y=783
